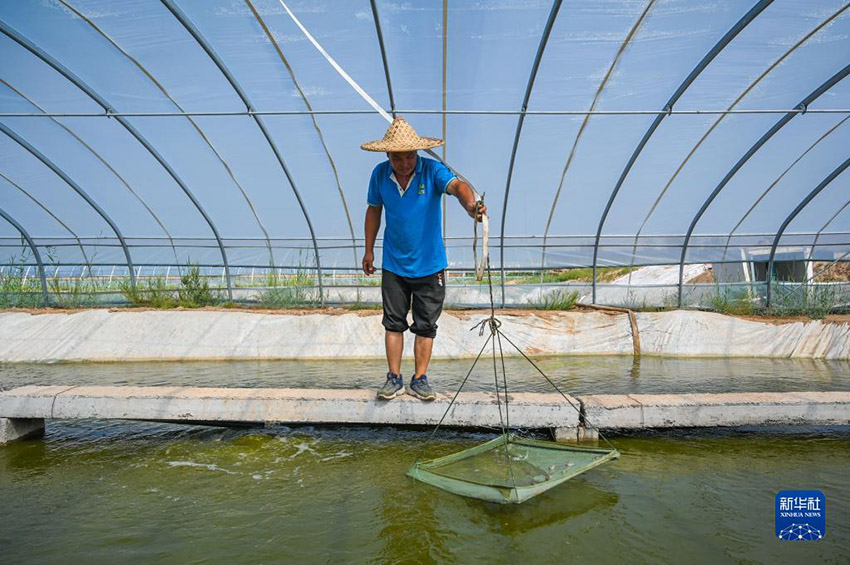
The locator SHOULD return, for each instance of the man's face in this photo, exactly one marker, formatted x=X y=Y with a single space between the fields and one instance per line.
x=403 y=163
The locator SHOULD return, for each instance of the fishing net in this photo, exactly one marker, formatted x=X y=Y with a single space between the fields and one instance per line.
x=509 y=469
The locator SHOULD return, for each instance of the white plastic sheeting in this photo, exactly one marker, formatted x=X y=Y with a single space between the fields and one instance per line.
x=135 y=336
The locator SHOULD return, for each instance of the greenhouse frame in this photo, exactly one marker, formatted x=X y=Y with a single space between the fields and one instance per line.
x=641 y=153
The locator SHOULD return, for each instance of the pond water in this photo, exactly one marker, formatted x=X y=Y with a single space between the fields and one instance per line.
x=577 y=375
x=106 y=492
x=99 y=491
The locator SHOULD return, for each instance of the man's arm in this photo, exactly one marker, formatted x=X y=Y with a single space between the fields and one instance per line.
x=373 y=224
x=464 y=194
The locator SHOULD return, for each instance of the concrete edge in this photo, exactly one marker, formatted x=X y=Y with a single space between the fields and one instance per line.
x=577 y=422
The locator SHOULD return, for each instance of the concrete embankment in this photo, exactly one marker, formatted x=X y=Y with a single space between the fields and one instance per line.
x=23 y=410
x=102 y=335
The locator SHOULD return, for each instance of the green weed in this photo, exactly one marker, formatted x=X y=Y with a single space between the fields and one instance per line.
x=17 y=290
x=815 y=301
x=734 y=301
x=195 y=291
x=558 y=300
x=151 y=292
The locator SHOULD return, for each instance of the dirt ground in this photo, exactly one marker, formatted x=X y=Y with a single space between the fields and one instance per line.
x=832 y=272
x=471 y=313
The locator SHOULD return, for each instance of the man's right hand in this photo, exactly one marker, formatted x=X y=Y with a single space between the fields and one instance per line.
x=369 y=263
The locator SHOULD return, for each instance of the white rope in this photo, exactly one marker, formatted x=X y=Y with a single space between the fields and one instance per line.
x=481 y=266
x=335 y=65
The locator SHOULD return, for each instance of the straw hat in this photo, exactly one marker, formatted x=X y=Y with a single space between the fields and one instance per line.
x=401 y=137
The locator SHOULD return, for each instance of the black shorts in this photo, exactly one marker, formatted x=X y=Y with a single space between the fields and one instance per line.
x=427 y=295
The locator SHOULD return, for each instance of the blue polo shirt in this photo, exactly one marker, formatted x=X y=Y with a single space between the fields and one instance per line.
x=413 y=244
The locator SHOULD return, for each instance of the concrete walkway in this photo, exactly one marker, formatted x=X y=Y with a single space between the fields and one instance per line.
x=102 y=335
x=23 y=410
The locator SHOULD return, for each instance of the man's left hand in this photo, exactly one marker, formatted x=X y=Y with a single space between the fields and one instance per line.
x=477 y=211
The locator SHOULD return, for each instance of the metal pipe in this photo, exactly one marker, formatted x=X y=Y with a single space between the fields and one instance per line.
x=94 y=95
x=776 y=181
x=101 y=159
x=50 y=213
x=629 y=36
x=316 y=127
x=383 y=57
x=36 y=254
x=815 y=191
x=445 y=104
x=815 y=94
x=825 y=225
x=194 y=124
x=553 y=13
x=226 y=113
x=829 y=19
x=706 y=60
x=779 y=178
x=61 y=174
x=211 y=53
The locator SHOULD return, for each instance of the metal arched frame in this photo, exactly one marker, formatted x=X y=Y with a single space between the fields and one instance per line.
x=314 y=120
x=809 y=197
x=829 y=19
x=36 y=254
x=815 y=94
x=190 y=27
x=701 y=66
x=598 y=96
x=77 y=188
x=826 y=225
x=544 y=38
x=51 y=214
x=100 y=158
x=190 y=119
x=383 y=55
x=110 y=112
x=776 y=181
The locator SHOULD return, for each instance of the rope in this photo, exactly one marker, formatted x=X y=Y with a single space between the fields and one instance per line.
x=449 y=407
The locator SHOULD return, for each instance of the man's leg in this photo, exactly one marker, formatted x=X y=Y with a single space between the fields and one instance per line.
x=428 y=296
x=394 y=342
x=395 y=294
x=422 y=355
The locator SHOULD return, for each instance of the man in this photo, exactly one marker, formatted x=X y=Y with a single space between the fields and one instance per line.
x=410 y=189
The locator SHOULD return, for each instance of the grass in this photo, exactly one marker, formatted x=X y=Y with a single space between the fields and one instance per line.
x=18 y=291
x=294 y=291
x=364 y=306
x=735 y=302
x=152 y=293
x=155 y=292
x=195 y=291
x=74 y=292
x=814 y=301
x=558 y=300
x=583 y=274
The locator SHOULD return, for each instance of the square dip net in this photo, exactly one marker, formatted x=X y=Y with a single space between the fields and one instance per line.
x=509 y=469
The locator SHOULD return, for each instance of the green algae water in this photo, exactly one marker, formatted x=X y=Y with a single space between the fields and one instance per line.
x=107 y=492
x=577 y=375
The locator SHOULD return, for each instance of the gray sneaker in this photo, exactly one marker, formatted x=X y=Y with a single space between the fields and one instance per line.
x=392 y=388
x=420 y=388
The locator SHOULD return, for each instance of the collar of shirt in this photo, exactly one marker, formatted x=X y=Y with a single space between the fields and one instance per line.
x=417 y=171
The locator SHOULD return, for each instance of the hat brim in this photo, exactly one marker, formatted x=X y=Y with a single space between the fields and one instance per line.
x=396 y=147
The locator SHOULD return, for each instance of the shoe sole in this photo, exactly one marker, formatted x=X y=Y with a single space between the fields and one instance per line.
x=399 y=392
x=422 y=396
